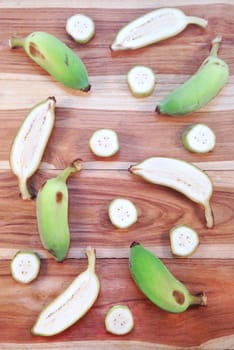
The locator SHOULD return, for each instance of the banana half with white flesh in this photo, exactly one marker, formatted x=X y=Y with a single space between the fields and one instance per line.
x=30 y=142
x=181 y=176
x=73 y=303
x=153 y=27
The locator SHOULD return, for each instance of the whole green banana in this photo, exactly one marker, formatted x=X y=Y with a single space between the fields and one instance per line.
x=52 y=213
x=199 y=89
x=56 y=58
x=158 y=284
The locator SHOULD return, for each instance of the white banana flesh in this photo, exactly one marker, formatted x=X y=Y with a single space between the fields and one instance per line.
x=182 y=176
x=119 y=320
x=153 y=27
x=81 y=28
x=184 y=240
x=25 y=266
x=30 y=142
x=72 y=303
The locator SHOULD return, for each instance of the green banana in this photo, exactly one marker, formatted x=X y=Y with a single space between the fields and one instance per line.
x=52 y=213
x=199 y=89
x=56 y=58
x=157 y=282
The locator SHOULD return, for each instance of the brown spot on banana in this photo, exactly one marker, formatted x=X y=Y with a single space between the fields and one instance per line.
x=179 y=297
x=34 y=51
x=59 y=197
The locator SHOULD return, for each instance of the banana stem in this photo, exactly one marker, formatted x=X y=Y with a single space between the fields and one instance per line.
x=16 y=42
x=24 y=192
x=198 y=299
x=215 y=46
x=197 y=20
x=209 y=215
x=75 y=166
x=90 y=252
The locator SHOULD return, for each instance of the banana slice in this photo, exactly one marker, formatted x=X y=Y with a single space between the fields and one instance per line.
x=152 y=27
x=81 y=28
x=122 y=213
x=141 y=81
x=181 y=176
x=104 y=143
x=199 y=138
x=25 y=266
x=30 y=143
x=119 y=320
x=184 y=240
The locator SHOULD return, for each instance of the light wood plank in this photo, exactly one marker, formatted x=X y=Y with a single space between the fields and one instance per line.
x=130 y=4
x=23 y=91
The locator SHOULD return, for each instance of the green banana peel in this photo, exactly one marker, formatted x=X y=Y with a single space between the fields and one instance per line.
x=158 y=284
x=200 y=88
x=56 y=58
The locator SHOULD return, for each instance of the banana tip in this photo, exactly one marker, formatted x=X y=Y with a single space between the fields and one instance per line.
x=77 y=163
x=130 y=169
x=87 y=88
x=134 y=243
x=157 y=109
x=52 y=98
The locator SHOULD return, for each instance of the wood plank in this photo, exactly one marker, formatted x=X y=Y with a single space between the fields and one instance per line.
x=130 y=4
x=90 y=193
x=193 y=327
x=74 y=127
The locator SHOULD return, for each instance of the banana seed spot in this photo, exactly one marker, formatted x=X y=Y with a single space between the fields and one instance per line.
x=179 y=297
x=34 y=51
x=59 y=197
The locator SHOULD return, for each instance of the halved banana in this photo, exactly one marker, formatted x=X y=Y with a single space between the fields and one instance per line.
x=152 y=27
x=72 y=304
x=181 y=176
x=30 y=143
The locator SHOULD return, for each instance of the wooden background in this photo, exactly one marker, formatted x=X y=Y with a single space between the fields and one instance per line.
x=142 y=133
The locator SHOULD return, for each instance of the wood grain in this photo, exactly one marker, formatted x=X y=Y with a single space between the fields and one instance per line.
x=22 y=311
x=142 y=133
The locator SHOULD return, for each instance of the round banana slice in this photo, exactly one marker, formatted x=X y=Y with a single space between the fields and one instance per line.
x=184 y=240
x=104 y=142
x=141 y=81
x=119 y=320
x=199 y=138
x=25 y=266
x=81 y=28
x=122 y=213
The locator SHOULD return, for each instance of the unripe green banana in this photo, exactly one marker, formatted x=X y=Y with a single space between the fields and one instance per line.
x=52 y=213
x=199 y=89
x=56 y=58
x=157 y=282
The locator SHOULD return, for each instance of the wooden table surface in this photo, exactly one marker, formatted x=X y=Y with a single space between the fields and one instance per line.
x=142 y=134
